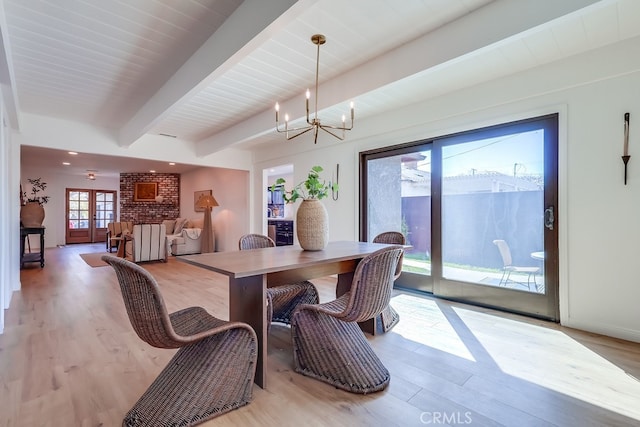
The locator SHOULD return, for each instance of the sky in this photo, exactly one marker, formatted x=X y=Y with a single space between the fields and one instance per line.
x=521 y=153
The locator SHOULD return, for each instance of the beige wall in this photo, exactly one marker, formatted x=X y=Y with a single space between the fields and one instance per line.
x=231 y=190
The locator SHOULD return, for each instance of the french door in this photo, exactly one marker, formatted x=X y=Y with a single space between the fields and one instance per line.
x=87 y=214
x=478 y=209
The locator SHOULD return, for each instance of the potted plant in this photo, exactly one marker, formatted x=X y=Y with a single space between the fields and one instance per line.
x=36 y=186
x=32 y=211
x=312 y=220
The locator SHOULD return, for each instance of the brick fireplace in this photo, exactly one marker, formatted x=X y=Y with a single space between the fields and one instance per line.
x=150 y=212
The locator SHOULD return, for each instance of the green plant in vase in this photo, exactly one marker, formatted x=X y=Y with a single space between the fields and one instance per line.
x=312 y=188
x=312 y=220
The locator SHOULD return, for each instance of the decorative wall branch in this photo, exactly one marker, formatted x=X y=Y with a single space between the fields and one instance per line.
x=625 y=155
x=335 y=194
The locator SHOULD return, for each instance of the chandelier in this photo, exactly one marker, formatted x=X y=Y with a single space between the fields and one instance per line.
x=313 y=123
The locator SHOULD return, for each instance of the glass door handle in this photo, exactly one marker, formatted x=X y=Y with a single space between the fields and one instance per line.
x=549 y=218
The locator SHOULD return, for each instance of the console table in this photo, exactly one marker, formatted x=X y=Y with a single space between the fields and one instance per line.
x=31 y=256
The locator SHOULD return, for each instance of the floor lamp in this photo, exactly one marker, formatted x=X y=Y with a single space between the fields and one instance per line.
x=207 y=202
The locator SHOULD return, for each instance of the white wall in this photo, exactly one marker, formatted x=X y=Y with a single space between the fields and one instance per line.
x=231 y=190
x=9 y=216
x=598 y=216
x=49 y=132
x=57 y=184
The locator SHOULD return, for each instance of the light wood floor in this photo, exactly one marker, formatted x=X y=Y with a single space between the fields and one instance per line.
x=68 y=357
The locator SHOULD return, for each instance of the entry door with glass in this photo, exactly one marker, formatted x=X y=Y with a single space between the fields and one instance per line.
x=478 y=209
x=88 y=213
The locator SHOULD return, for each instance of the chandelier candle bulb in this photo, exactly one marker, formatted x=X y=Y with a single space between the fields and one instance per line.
x=313 y=123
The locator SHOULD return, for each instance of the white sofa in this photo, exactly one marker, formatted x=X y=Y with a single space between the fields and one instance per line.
x=185 y=236
x=189 y=241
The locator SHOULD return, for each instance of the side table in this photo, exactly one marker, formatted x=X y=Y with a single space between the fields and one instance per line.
x=31 y=256
x=122 y=245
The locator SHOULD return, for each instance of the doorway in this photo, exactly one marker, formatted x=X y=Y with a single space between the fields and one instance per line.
x=478 y=209
x=87 y=214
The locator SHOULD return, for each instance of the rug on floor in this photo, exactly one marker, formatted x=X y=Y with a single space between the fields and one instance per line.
x=93 y=259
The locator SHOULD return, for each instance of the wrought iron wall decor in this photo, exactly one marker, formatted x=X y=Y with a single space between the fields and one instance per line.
x=625 y=151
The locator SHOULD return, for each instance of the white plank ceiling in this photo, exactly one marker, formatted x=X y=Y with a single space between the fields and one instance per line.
x=137 y=67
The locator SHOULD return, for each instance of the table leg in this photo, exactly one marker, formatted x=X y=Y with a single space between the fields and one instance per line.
x=344 y=283
x=121 y=248
x=342 y=287
x=247 y=303
x=42 y=248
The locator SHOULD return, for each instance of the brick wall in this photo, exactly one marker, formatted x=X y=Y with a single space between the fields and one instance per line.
x=150 y=212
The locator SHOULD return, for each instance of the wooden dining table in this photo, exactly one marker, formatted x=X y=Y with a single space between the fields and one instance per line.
x=250 y=272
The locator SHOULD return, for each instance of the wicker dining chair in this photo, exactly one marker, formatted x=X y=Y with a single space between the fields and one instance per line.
x=389 y=317
x=329 y=345
x=210 y=375
x=281 y=300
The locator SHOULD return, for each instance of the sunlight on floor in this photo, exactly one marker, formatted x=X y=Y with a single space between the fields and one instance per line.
x=543 y=356
x=584 y=375
x=423 y=322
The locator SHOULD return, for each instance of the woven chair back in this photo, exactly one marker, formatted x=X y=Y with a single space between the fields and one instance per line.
x=144 y=303
x=255 y=241
x=372 y=283
x=393 y=238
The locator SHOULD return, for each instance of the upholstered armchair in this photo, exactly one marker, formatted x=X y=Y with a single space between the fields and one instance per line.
x=114 y=233
x=146 y=243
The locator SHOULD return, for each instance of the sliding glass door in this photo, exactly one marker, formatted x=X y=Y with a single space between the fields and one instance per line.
x=478 y=209
x=398 y=188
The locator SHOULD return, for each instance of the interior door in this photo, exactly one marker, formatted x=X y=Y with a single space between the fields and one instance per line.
x=87 y=214
x=478 y=209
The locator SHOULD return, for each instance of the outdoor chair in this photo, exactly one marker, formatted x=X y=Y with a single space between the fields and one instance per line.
x=329 y=345
x=509 y=268
x=281 y=300
x=210 y=375
x=389 y=317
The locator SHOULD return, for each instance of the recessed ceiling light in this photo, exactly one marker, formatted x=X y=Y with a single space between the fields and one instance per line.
x=172 y=164
x=66 y=163
x=152 y=171
x=73 y=153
